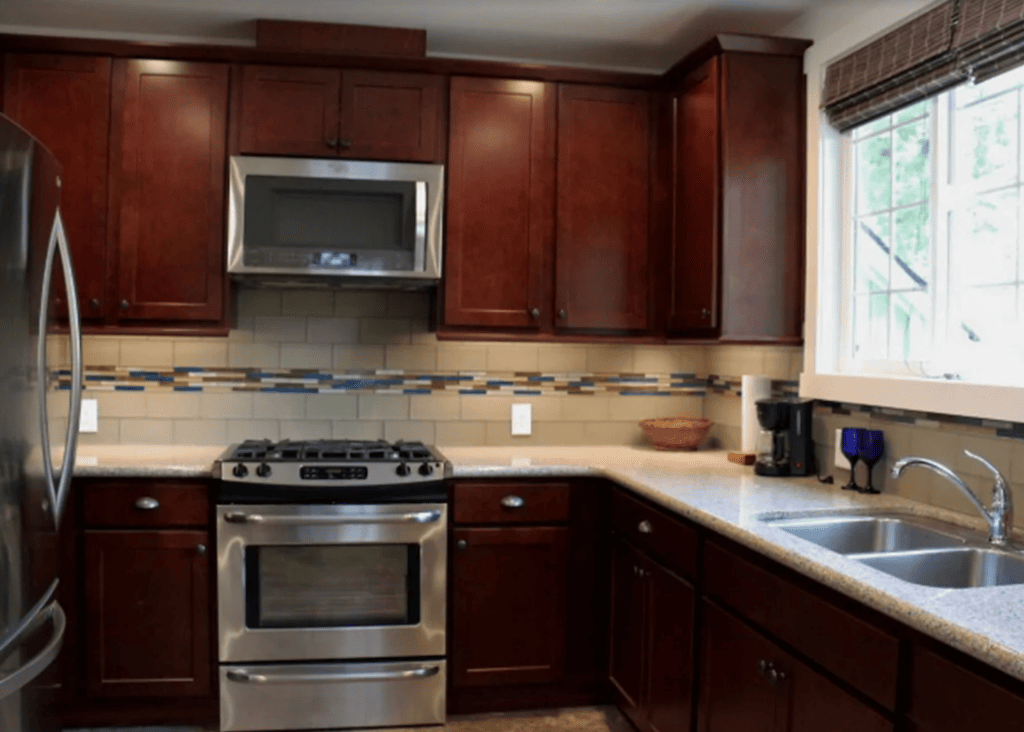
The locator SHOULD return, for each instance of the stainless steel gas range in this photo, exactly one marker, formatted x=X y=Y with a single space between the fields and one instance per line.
x=331 y=576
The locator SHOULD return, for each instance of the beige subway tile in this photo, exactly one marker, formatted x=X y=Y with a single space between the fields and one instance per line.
x=586 y=408
x=460 y=434
x=1018 y=497
x=307 y=356
x=383 y=406
x=453 y=357
x=723 y=410
x=253 y=429
x=997 y=451
x=232 y=405
x=200 y=432
x=559 y=358
x=108 y=432
x=503 y=357
x=655 y=359
x=58 y=403
x=777 y=363
x=147 y=432
x=332 y=406
x=692 y=360
x=171 y=405
x=58 y=351
x=354 y=304
x=308 y=303
x=610 y=359
x=635 y=408
x=413 y=305
x=935 y=444
x=305 y=429
x=735 y=360
x=273 y=329
x=411 y=358
x=438 y=408
x=723 y=437
x=379 y=331
x=279 y=406
x=915 y=485
x=253 y=302
x=560 y=433
x=499 y=434
x=898 y=439
x=796 y=363
x=254 y=355
x=410 y=431
x=359 y=430
x=614 y=433
x=420 y=333
x=100 y=351
x=207 y=352
x=58 y=427
x=946 y=495
x=358 y=358
x=499 y=408
x=1017 y=467
x=146 y=353
x=117 y=403
x=242 y=332
x=332 y=330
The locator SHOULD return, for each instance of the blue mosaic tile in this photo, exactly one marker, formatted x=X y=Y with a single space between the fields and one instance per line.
x=127 y=387
x=645 y=393
x=497 y=382
x=473 y=391
x=188 y=388
x=540 y=378
x=1017 y=433
x=289 y=390
x=528 y=392
x=417 y=391
x=99 y=377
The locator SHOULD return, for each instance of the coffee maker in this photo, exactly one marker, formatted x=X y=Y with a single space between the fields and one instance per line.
x=784 y=446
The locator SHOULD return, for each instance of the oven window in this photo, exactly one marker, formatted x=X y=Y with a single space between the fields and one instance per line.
x=332 y=586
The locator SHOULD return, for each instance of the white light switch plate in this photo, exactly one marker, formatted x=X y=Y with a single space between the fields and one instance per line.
x=522 y=419
x=840 y=459
x=89 y=421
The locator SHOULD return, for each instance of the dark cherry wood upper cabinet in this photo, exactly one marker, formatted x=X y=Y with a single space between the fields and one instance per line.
x=390 y=116
x=289 y=111
x=738 y=257
x=500 y=203
x=147 y=614
x=603 y=209
x=509 y=595
x=64 y=101
x=170 y=120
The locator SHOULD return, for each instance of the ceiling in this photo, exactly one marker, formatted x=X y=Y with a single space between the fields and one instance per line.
x=635 y=35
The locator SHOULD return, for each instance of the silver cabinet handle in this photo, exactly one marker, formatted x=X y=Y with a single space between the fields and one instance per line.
x=763 y=666
x=23 y=676
x=419 y=517
x=246 y=677
x=644 y=527
x=775 y=677
x=461 y=544
x=201 y=550
x=512 y=502
x=535 y=313
x=125 y=305
x=147 y=504
x=563 y=314
x=705 y=314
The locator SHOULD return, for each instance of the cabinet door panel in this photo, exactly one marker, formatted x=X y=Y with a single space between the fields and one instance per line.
x=147 y=612
x=173 y=121
x=289 y=111
x=389 y=116
x=695 y=251
x=64 y=101
x=816 y=704
x=602 y=245
x=500 y=202
x=670 y=657
x=508 y=622
x=628 y=639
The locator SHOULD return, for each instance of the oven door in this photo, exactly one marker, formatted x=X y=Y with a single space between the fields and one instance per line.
x=326 y=582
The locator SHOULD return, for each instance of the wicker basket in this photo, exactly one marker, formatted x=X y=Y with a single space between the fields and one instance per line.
x=676 y=433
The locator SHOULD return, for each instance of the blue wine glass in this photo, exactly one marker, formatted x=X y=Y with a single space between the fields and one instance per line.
x=872 y=448
x=850 y=445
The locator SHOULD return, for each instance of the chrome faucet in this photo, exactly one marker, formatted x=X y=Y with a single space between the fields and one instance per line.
x=999 y=517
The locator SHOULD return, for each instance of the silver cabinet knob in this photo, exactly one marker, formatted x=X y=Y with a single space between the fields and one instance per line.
x=125 y=305
x=201 y=549
x=562 y=314
x=147 y=504
x=775 y=677
x=331 y=142
x=705 y=314
x=535 y=313
x=512 y=502
x=763 y=666
x=644 y=527
x=461 y=544
x=345 y=144
x=95 y=302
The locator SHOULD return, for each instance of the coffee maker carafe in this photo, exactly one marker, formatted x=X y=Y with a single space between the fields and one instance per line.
x=784 y=445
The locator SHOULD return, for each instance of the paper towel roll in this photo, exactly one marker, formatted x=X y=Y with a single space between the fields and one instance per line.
x=753 y=387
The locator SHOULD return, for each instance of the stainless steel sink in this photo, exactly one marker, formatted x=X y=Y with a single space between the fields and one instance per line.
x=870 y=534
x=955 y=568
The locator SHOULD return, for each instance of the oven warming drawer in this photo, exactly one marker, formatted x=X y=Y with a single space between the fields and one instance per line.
x=331 y=696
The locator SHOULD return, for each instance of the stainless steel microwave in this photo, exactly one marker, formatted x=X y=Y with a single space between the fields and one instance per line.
x=330 y=221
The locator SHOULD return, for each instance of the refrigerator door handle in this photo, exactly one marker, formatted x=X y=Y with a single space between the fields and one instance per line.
x=58 y=487
x=15 y=681
x=29 y=623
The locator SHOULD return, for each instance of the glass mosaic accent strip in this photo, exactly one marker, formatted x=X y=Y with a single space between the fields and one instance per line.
x=932 y=420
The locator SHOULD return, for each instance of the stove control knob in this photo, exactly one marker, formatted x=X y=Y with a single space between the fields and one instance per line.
x=240 y=471
x=426 y=469
x=263 y=470
x=403 y=469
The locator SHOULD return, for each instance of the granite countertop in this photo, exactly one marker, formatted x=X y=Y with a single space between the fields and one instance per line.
x=987 y=623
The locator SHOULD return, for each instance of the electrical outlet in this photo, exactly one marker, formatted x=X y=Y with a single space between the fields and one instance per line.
x=522 y=419
x=840 y=458
x=89 y=421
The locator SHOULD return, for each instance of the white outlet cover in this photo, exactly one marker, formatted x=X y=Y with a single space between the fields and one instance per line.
x=522 y=419
x=89 y=421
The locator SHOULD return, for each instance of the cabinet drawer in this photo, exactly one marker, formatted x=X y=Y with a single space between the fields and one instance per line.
x=852 y=649
x=146 y=503
x=657 y=532
x=511 y=503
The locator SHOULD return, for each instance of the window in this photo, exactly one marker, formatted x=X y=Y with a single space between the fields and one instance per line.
x=931 y=271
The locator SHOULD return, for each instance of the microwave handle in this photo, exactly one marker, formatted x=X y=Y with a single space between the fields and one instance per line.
x=418 y=517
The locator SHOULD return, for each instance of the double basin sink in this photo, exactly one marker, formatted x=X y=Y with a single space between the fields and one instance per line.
x=912 y=548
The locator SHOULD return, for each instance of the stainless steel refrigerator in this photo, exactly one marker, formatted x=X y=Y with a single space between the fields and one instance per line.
x=35 y=474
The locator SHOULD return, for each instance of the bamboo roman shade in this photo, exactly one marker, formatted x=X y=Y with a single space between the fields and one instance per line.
x=955 y=41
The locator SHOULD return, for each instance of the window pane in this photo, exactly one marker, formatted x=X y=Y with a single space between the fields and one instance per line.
x=986 y=142
x=911 y=163
x=871 y=326
x=988 y=315
x=969 y=93
x=986 y=248
x=874 y=174
x=910 y=334
x=872 y=242
x=913 y=111
x=913 y=248
x=872 y=127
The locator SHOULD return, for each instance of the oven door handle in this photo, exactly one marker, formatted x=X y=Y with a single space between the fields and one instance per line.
x=245 y=677
x=417 y=517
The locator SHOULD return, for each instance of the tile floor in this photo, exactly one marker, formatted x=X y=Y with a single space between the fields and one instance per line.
x=582 y=719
